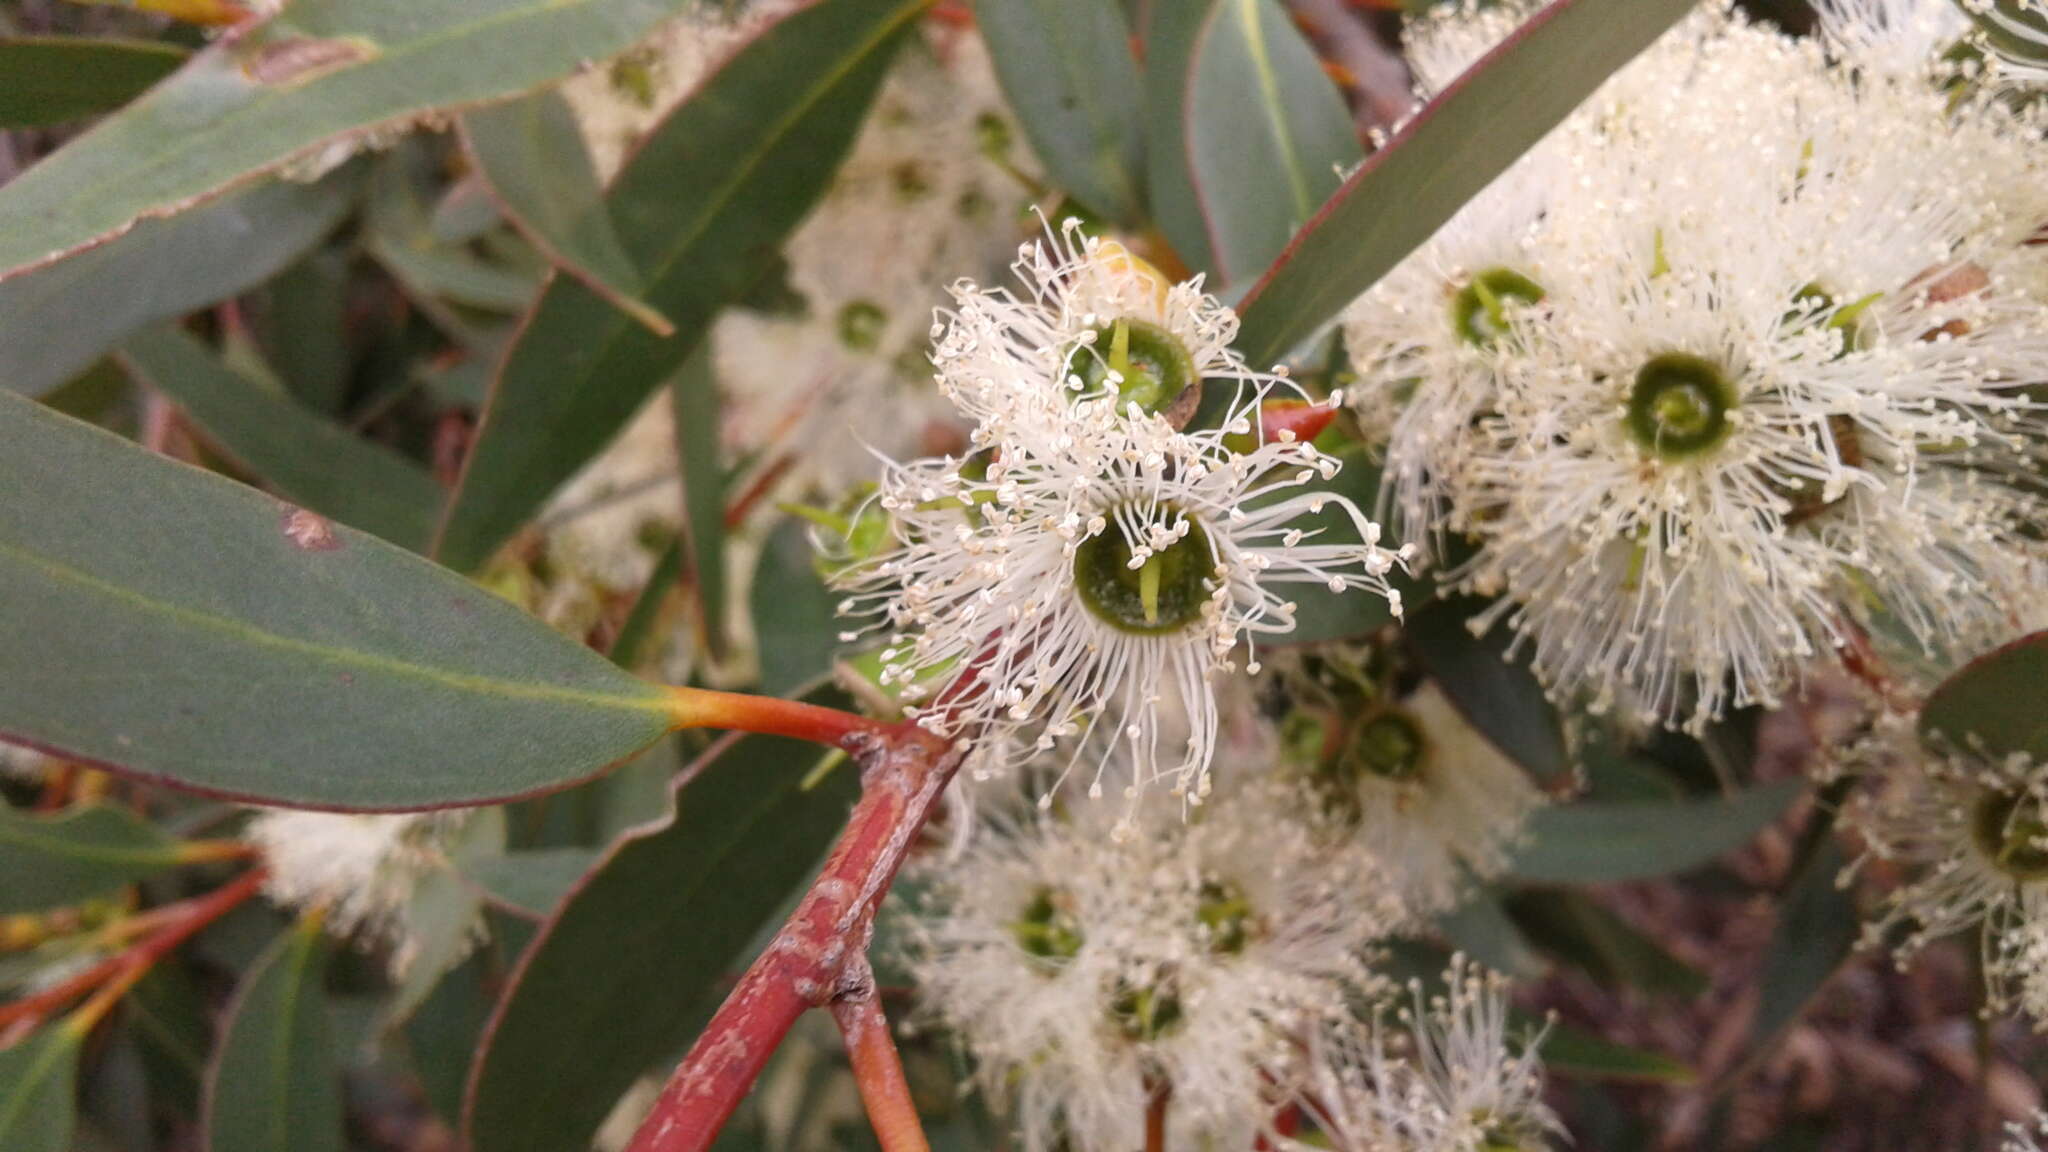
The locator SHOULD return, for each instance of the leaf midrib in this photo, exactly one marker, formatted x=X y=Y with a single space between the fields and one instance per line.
x=249 y=634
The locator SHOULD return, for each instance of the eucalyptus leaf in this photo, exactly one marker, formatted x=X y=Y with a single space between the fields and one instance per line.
x=71 y=857
x=531 y=882
x=299 y=85
x=159 y=270
x=1997 y=704
x=1608 y=843
x=1066 y=67
x=304 y=455
x=274 y=1085
x=1267 y=133
x=702 y=206
x=181 y=627
x=1497 y=695
x=37 y=1085
x=1441 y=158
x=695 y=395
x=533 y=155
x=52 y=79
x=748 y=827
x=796 y=625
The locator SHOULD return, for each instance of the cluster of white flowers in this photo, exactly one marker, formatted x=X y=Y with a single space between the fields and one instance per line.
x=1706 y=377
x=2026 y=1137
x=1092 y=565
x=1087 y=973
x=1970 y=832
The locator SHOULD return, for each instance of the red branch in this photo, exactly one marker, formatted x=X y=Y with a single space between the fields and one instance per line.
x=820 y=956
x=877 y=1068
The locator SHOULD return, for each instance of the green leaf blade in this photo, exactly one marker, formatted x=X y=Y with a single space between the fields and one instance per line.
x=37 y=1083
x=52 y=79
x=744 y=834
x=312 y=78
x=1066 y=68
x=1443 y=157
x=702 y=205
x=1609 y=843
x=1267 y=133
x=1995 y=703
x=274 y=1085
x=177 y=626
x=306 y=457
x=84 y=854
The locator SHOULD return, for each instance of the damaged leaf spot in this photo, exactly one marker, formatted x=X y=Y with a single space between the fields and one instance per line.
x=285 y=63
x=309 y=531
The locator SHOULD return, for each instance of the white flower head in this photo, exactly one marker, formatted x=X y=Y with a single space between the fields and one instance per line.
x=1903 y=38
x=1422 y=789
x=1092 y=563
x=2026 y=1137
x=1443 y=1075
x=362 y=871
x=2018 y=38
x=1970 y=832
x=1084 y=973
x=1723 y=401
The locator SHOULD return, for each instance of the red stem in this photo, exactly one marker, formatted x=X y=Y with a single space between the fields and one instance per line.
x=185 y=919
x=768 y=716
x=877 y=1068
x=820 y=956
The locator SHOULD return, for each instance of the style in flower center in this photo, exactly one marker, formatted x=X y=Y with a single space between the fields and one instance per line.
x=1144 y=363
x=1678 y=408
x=1144 y=591
x=1479 y=310
x=2012 y=831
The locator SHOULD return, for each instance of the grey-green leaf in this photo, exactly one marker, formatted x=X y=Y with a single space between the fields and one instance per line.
x=160 y=269
x=533 y=155
x=52 y=79
x=795 y=620
x=1496 y=694
x=1169 y=171
x=84 y=854
x=1997 y=703
x=1066 y=67
x=1443 y=157
x=173 y=624
x=274 y=1085
x=1608 y=843
x=307 y=80
x=299 y=452
x=695 y=395
x=37 y=1087
x=745 y=833
x=701 y=206
x=1267 y=133
x=531 y=882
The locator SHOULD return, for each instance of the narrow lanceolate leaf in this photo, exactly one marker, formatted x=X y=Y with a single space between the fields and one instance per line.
x=1267 y=133
x=1496 y=694
x=695 y=394
x=305 y=81
x=746 y=832
x=1578 y=1055
x=38 y=1084
x=533 y=155
x=1169 y=175
x=1817 y=929
x=1996 y=703
x=84 y=854
x=171 y=623
x=1066 y=67
x=300 y=453
x=274 y=1085
x=1320 y=614
x=1605 y=843
x=1444 y=157
x=161 y=269
x=52 y=79
x=796 y=626
x=702 y=207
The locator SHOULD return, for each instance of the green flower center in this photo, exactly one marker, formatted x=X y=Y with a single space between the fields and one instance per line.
x=1150 y=367
x=1226 y=915
x=2012 y=832
x=1679 y=406
x=1389 y=745
x=860 y=325
x=1479 y=310
x=1163 y=593
x=1047 y=929
x=1506 y=1135
x=1146 y=1012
